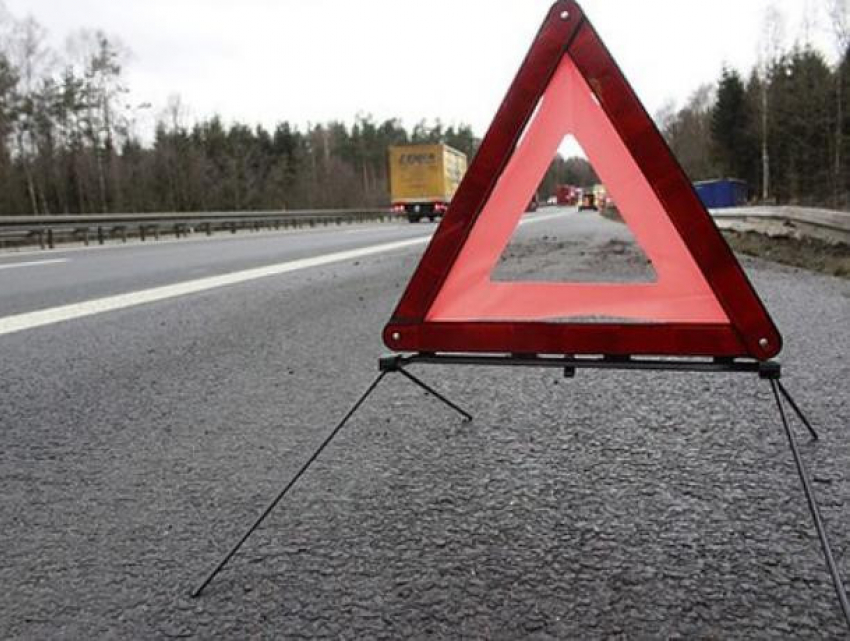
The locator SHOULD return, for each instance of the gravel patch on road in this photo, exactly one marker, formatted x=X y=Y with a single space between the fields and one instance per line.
x=136 y=446
x=557 y=259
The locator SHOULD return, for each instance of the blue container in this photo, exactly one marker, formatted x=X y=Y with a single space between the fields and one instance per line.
x=717 y=194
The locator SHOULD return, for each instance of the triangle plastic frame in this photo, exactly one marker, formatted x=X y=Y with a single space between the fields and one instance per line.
x=741 y=327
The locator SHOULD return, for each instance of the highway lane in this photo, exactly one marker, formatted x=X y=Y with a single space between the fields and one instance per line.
x=38 y=281
x=86 y=274
x=136 y=444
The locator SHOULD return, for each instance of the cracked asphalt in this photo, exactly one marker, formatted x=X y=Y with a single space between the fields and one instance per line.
x=136 y=446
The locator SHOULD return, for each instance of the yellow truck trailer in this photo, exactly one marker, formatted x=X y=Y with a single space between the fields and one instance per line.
x=423 y=179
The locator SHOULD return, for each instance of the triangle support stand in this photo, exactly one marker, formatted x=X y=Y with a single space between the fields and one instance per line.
x=397 y=363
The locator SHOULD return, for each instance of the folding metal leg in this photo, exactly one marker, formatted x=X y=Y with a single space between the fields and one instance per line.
x=396 y=363
x=797 y=410
x=197 y=592
x=812 y=501
x=466 y=415
x=386 y=368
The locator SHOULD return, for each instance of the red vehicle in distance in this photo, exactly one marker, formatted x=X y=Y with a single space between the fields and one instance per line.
x=567 y=195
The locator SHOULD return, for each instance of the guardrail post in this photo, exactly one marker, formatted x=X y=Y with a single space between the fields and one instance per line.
x=209 y=229
x=142 y=233
x=50 y=239
x=100 y=235
x=123 y=234
x=86 y=236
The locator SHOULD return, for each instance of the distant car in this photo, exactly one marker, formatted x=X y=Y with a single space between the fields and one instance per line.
x=601 y=194
x=567 y=195
x=588 y=202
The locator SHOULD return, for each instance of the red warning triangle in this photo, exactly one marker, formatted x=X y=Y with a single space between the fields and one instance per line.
x=701 y=303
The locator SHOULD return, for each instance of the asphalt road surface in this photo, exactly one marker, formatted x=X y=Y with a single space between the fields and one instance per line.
x=154 y=398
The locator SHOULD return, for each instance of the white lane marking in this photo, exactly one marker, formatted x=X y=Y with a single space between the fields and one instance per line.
x=366 y=231
x=31 y=320
x=33 y=263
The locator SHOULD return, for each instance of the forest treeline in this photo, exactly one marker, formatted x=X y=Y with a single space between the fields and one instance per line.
x=69 y=143
x=784 y=127
x=69 y=139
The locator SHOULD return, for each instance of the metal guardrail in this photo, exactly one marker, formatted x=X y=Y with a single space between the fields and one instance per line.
x=829 y=225
x=48 y=230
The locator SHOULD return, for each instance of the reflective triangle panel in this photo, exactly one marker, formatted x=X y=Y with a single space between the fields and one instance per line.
x=701 y=302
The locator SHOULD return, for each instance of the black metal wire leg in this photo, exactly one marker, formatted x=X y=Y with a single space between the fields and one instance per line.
x=813 y=507
x=197 y=592
x=797 y=410
x=466 y=415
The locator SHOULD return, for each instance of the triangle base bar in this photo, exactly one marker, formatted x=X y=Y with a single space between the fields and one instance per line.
x=766 y=370
x=610 y=339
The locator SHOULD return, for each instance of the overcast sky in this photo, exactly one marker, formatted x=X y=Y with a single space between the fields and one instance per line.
x=318 y=60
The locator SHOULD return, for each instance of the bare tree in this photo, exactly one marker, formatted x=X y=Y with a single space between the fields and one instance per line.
x=688 y=132
x=770 y=50
x=810 y=21
x=99 y=60
x=31 y=58
x=176 y=113
x=839 y=13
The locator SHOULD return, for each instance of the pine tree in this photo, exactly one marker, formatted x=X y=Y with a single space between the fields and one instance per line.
x=801 y=126
x=732 y=129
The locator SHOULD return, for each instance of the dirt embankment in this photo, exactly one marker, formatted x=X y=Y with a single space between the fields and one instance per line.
x=808 y=253
x=799 y=251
